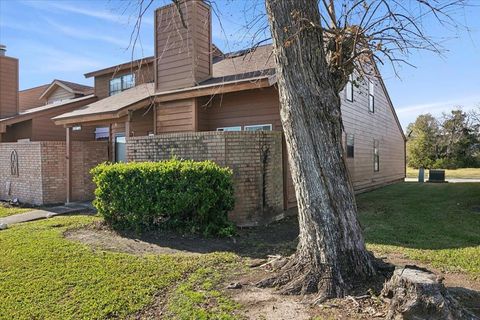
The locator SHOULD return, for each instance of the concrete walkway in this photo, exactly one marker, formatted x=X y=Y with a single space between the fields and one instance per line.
x=448 y=180
x=45 y=213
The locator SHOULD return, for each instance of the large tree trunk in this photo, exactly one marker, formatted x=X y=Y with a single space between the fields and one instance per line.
x=331 y=256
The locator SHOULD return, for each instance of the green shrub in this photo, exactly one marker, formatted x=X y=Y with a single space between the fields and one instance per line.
x=183 y=195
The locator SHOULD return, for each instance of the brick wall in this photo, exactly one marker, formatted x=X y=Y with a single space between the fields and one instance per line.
x=41 y=170
x=86 y=155
x=254 y=157
x=27 y=186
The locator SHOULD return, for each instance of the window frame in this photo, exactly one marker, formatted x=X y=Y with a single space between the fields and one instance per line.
x=222 y=129
x=122 y=84
x=100 y=134
x=352 y=155
x=376 y=155
x=371 y=96
x=349 y=85
x=246 y=128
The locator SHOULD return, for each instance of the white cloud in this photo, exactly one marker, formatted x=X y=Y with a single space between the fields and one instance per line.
x=84 y=34
x=409 y=113
x=51 y=60
x=440 y=105
x=89 y=12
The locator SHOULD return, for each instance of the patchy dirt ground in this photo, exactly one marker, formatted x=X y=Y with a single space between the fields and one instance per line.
x=255 y=245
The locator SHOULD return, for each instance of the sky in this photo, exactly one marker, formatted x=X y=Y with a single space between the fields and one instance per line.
x=62 y=39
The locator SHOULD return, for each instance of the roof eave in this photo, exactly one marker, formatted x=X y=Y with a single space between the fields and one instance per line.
x=191 y=92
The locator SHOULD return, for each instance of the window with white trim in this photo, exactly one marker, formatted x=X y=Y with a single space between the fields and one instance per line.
x=237 y=128
x=376 y=156
x=371 y=96
x=258 y=127
x=349 y=89
x=121 y=83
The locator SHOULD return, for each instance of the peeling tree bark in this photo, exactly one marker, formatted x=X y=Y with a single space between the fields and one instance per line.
x=331 y=256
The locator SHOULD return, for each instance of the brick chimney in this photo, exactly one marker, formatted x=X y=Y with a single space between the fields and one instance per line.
x=183 y=54
x=8 y=84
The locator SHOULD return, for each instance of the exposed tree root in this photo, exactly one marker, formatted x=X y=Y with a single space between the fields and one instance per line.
x=298 y=276
x=415 y=293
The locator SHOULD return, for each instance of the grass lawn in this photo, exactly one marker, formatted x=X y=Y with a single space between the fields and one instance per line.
x=464 y=173
x=5 y=212
x=434 y=223
x=44 y=276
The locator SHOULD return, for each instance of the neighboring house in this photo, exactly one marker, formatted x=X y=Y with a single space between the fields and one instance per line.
x=28 y=114
x=190 y=86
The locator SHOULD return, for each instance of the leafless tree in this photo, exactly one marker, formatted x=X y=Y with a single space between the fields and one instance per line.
x=318 y=45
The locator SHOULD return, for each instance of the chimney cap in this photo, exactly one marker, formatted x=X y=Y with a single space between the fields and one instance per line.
x=3 y=49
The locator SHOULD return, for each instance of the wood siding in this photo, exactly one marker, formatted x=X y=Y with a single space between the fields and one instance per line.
x=59 y=94
x=42 y=128
x=183 y=55
x=143 y=74
x=177 y=116
x=141 y=122
x=30 y=98
x=366 y=127
x=261 y=106
x=8 y=86
x=17 y=131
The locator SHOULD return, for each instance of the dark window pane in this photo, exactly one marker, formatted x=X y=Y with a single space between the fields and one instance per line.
x=350 y=146
x=371 y=103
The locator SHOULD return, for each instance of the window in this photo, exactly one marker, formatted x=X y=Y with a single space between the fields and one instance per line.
x=230 y=129
x=102 y=134
x=350 y=146
x=371 y=97
x=119 y=84
x=120 y=149
x=259 y=127
x=376 y=157
x=349 y=89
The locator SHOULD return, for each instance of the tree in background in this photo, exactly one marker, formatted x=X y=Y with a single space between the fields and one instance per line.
x=458 y=140
x=422 y=144
x=449 y=143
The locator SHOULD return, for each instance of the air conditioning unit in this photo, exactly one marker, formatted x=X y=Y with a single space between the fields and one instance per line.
x=436 y=175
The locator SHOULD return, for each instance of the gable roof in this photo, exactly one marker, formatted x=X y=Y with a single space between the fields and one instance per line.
x=38 y=111
x=244 y=62
x=236 y=71
x=30 y=98
x=113 y=103
x=71 y=87
x=119 y=67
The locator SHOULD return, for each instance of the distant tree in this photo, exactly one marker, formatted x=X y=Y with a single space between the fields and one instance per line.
x=449 y=143
x=459 y=140
x=422 y=143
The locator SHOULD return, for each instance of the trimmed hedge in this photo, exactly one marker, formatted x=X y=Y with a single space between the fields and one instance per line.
x=177 y=194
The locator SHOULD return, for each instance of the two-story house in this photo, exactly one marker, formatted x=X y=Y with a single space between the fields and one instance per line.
x=190 y=86
x=27 y=114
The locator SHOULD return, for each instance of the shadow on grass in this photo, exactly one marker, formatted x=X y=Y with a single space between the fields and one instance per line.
x=408 y=215
x=257 y=242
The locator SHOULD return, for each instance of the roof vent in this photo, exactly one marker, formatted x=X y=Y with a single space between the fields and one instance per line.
x=3 y=49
